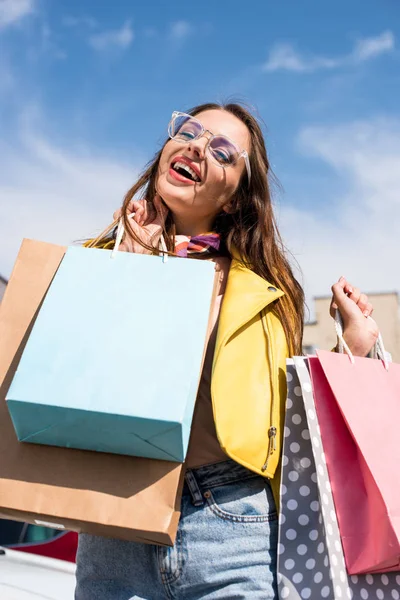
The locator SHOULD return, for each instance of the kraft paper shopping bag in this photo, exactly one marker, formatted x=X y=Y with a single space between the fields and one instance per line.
x=104 y=494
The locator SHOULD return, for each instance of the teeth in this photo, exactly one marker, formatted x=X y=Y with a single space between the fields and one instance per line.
x=188 y=169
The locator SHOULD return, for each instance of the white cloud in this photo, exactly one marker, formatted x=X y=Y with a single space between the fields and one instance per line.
x=49 y=44
x=121 y=38
x=284 y=56
x=55 y=194
x=12 y=11
x=357 y=233
x=70 y=21
x=370 y=47
x=180 y=30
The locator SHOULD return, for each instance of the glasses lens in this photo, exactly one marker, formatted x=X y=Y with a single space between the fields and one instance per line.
x=223 y=150
x=184 y=128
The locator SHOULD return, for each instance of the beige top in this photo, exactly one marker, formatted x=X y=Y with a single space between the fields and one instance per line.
x=204 y=447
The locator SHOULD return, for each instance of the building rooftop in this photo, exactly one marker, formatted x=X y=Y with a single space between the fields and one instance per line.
x=387 y=293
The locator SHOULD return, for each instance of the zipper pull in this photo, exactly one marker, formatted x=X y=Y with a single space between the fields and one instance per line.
x=272 y=436
x=271 y=446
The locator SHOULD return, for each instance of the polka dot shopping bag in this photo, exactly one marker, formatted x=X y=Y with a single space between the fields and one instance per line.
x=310 y=555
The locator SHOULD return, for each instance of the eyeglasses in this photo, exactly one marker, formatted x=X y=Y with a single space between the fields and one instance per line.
x=185 y=128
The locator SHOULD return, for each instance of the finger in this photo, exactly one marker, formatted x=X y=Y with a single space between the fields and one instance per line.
x=139 y=211
x=348 y=309
x=334 y=305
x=362 y=302
x=332 y=308
x=368 y=310
x=128 y=210
x=131 y=207
x=117 y=214
x=337 y=293
x=136 y=211
x=348 y=288
x=142 y=209
x=338 y=288
x=355 y=295
x=342 y=282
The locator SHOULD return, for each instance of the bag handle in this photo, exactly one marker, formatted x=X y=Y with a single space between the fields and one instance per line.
x=162 y=246
x=119 y=223
x=378 y=350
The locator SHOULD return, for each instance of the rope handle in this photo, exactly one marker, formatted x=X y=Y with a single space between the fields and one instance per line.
x=378 y=349
x=163 y=251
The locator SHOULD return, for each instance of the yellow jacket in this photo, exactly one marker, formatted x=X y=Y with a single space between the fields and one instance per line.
x=248 y=386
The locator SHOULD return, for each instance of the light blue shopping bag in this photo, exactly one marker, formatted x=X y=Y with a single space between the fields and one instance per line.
x=114 y=358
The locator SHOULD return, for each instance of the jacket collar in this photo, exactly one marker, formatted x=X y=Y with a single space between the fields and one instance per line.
x=245 y=296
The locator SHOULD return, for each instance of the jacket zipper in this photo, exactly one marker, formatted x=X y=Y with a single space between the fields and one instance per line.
x=271 y=446
x=272 y=431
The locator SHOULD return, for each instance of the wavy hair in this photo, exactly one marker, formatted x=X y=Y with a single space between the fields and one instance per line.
x=249 y=227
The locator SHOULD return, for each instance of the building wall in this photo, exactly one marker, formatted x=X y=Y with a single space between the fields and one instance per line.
x=321 y=333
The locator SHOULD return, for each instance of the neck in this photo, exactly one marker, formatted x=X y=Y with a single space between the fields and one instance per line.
x=185 y=226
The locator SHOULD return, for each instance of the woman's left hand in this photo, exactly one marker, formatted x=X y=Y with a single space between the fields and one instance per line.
x=360 y=333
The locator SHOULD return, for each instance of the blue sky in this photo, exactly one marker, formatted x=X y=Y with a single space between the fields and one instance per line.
x=87 y=88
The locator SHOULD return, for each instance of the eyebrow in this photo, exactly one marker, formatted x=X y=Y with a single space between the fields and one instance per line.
x=219 y=134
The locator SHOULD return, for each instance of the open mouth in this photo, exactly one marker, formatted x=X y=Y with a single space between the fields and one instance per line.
x=184 y=170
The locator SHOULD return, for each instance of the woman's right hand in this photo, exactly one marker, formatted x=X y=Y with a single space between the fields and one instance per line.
x=139 y=207
x=147 y=227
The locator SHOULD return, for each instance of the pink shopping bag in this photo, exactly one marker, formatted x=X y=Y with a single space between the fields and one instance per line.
x=358 y=409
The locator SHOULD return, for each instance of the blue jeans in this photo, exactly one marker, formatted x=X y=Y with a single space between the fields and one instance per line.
x=225 y=547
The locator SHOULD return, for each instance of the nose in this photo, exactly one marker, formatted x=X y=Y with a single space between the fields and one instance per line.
x=199 y=145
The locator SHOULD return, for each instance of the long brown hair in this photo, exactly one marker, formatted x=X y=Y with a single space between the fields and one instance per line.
x=250 y=227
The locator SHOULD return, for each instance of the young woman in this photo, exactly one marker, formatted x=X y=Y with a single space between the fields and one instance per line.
x=208 y=192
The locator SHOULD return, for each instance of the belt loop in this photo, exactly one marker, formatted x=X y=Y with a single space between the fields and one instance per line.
x=197 y=497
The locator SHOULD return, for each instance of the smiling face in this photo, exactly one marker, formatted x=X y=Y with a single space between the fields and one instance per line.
x=193 y=186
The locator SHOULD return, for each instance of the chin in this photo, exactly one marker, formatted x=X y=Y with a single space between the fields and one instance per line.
x=174 y=195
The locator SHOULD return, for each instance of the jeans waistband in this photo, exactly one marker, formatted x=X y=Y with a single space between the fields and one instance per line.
x=208 y=476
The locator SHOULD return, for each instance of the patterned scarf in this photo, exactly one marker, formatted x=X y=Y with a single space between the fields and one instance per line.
x=200 y=244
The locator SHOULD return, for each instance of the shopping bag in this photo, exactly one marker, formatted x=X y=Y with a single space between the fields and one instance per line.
x=104 y=494
x=310 y=555
x=114 y=358
x=358 y=405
